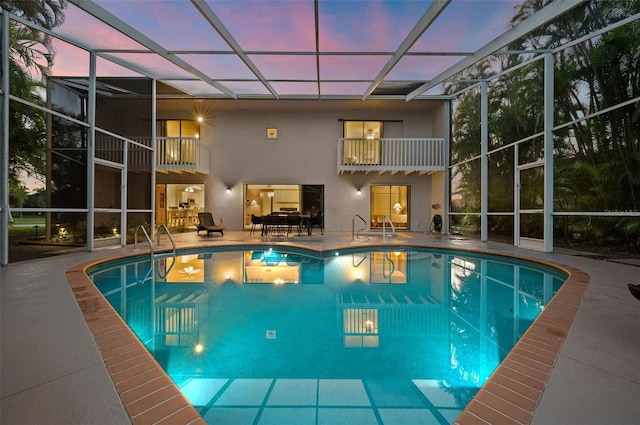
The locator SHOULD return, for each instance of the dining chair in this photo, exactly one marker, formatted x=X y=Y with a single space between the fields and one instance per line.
x=294 y=220
x=316 y=220
x=255 y=221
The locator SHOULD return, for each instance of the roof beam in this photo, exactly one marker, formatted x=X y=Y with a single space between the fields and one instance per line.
x=542 y=17
x=421 y=26
x=92 y=8
x=217 y=24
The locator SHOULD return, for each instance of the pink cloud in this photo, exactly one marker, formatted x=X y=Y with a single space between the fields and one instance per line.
x=270 y=26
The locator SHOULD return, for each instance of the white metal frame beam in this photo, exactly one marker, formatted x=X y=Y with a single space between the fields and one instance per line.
x=549 y=93
x=484 y=161
x=113 y=21
x=425 y=22
x=217 y=24
x=543 y=16
x=4 y=143
x=91 y=150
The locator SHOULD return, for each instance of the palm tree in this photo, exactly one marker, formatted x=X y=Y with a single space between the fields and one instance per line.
x=30 y=58
x=597 y=166
x=28 y=45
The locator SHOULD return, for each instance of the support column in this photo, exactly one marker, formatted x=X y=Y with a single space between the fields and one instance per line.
x=447 y=169
x=4 y=155
x=153 y=156
x=484 y=162
x=548 y=151
x=91 y=150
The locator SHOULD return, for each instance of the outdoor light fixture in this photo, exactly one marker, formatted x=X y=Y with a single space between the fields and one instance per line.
x=228 y=190
x=358 y=191
x=200 y=119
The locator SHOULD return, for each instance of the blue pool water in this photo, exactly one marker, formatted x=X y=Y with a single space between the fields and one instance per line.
x=259 y=335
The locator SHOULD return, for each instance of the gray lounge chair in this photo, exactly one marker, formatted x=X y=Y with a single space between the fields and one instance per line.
x=206 y=222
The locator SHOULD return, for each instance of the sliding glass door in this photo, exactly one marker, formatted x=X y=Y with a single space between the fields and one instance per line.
x=391 y=201
x=263 y=199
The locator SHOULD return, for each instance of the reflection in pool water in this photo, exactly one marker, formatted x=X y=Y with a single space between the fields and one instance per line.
x=381 y=334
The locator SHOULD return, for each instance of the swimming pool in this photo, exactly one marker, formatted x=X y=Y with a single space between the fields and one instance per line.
x=379 y=335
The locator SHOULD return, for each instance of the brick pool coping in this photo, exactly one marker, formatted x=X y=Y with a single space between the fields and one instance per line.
x=509 y=396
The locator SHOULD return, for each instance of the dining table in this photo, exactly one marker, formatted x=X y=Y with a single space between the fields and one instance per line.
x=279 y=223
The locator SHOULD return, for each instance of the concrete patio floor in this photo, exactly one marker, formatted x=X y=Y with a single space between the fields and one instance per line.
x=53 y=373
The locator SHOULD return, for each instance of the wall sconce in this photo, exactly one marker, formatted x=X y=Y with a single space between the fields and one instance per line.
x=358 y=191
x=228 y=191
x=228 y=276
x=200 y=119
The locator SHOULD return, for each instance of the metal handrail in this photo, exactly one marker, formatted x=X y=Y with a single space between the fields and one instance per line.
x=353 y=226
x=353 y=260
x=135 y=247
x=384 y=227
x=166 y=230
x=173 y=244
x=384 y=268
x=146 y=235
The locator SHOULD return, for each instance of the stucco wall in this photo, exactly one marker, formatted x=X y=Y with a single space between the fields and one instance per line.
x=305 y=151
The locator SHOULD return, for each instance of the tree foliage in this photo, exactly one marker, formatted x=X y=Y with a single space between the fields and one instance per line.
x=30 y=58
x=597 y=160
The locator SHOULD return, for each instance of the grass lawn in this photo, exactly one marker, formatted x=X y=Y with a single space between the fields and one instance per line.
x=28 y=219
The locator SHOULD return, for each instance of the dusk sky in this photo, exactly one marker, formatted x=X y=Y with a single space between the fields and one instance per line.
x=279 y=39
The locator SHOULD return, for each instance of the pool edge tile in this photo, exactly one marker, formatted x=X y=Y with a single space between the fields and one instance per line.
x=172 y=407
x=568 y=300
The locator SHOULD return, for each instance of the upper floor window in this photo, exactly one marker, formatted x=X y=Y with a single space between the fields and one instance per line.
x=179 y=128
x=363 y=130
x=179 y=147
x=363 y=144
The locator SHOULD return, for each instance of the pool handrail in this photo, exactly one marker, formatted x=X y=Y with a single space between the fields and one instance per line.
x=146 y=235
x=166 y=230
x=386 y=218
x=355 y=235
x=384 y=268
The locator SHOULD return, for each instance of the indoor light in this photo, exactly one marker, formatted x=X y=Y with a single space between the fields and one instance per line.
x=358 y=191
x=397 y=207
x=228 y=190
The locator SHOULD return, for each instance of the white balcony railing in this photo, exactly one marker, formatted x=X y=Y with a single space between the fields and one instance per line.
x=173 y=154
x=391 y=155
x=182 y=154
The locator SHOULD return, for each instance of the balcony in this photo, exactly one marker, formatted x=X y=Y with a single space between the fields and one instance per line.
x=178 y=154
x=173 y=154
x=393 y=155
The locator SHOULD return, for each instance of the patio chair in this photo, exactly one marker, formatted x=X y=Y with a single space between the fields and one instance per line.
x=205 y=222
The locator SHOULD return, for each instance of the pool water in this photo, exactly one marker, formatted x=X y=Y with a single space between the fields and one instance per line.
x=261 y=335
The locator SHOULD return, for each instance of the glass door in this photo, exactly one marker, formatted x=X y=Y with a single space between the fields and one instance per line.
x=391 y=201
x=530 y=209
